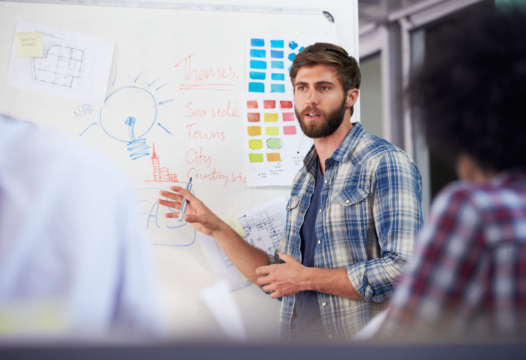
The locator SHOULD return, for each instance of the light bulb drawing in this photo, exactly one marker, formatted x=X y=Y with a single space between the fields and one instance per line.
x=128 y=115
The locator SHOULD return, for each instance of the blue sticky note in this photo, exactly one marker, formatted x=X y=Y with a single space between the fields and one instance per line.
x=257 y=64
x=278 y=76
x=277 y=88
x=276 y=54
x=258 y=53
x=257 y=42
x=256 y=75
x=256 y=87
x=277 y=44
x=276 y=64
x=293 y=45
x=292 y=56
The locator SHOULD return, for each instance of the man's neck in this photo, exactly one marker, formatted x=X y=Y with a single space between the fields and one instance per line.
x=326 y=146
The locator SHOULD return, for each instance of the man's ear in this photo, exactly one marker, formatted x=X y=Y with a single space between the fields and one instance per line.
x=352 y=97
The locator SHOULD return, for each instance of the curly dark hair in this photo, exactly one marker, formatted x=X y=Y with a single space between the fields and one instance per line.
x=471 y=90
x=347 y=68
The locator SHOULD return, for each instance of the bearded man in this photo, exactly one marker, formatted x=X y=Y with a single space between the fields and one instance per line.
x=352 y=217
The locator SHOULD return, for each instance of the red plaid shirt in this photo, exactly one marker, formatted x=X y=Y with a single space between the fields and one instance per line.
x=468 y=274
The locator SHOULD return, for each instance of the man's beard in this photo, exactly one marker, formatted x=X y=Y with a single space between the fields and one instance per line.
x=328 y=126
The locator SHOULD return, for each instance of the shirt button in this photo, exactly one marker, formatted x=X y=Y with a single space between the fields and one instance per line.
x=330 y=336
x=320 y=210
x=290 y=304
x=326 y=181
x=324 y=304
x=319 y=241
x=347 y=201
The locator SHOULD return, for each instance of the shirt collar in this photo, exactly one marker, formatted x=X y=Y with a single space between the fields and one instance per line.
x=510 y=177
x=342 y=153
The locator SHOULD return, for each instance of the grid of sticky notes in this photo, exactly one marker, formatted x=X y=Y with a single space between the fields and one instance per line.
x=269 y=122
x=267 y=63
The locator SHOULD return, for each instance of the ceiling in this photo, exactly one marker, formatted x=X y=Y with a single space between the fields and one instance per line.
x=376 y=11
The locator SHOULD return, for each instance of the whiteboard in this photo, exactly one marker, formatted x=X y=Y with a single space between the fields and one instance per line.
x=197 y=130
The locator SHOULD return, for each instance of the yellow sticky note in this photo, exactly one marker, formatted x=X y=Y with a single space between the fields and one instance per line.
x=29 y=44
x=234 y=223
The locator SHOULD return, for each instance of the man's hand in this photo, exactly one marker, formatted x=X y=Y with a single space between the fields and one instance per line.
x=197 y=214
x=283 y=279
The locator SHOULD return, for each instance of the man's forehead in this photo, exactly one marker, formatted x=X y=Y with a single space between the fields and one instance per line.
x=317 y=73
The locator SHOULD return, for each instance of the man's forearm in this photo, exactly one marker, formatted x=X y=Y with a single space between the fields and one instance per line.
x=244 y=256
x=330 y=281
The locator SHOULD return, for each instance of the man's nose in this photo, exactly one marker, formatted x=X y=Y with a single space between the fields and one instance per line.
x=313 y=98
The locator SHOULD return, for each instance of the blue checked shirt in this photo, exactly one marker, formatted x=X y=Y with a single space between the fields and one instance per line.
x=370 y=213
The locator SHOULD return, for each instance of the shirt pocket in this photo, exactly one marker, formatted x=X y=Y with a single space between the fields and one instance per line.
x=348 y=198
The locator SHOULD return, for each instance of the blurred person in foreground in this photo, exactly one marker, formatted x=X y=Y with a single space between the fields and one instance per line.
x=468 y=275
x=72 y=259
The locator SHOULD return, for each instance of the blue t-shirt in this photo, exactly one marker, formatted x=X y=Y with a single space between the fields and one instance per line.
x=306 y=308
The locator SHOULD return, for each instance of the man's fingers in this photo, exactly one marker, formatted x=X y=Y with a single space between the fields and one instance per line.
x=286 y=257
x=171 y=215
x=171 y=195
x=171 y=204
x=263 y=270
x=188 y=195
x=264 y=280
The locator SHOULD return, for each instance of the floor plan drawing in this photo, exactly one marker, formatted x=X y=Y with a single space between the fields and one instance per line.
x=263 y=230
x=59 y=66
x=73 y=65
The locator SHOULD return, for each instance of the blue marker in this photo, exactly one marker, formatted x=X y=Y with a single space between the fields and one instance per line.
x=183 y=204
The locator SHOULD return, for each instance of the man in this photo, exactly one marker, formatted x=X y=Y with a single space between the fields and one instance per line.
x=352 y=216
x=468 y=275
x=72 y=260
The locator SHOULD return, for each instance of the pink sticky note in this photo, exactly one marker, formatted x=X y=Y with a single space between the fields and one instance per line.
x=289 y=130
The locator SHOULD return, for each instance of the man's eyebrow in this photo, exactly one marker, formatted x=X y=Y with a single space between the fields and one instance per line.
x=318 y=83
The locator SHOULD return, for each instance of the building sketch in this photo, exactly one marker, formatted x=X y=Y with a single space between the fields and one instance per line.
x=161 y=174
x=59 y=66
x=263 y=230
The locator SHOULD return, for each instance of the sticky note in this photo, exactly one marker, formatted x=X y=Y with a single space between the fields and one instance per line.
x=271 y=117
x=274 y=144
x=272 y=130
x=29 y=44
x=289 y=130
x=253 y=117
x=273 y=157
x=256 y=87
x=255 y=144
x=254 y=130
x=234 y=223
x=277 y=88
x=278 y=76
x=255 y=158
x=288 y=116
x=253 y=104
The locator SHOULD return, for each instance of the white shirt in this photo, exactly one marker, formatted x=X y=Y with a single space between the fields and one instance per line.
x=68 y=232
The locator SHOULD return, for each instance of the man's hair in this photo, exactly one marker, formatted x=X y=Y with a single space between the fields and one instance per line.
x=347 y=69
x=471 y=90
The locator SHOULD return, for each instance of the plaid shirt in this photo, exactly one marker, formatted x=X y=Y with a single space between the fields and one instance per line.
x=370 y=213
x=468 y=275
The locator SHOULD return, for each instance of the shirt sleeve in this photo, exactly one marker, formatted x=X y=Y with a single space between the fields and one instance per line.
x=397 y=213
x=437 y=276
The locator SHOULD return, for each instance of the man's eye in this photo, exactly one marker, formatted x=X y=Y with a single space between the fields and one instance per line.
x=325 y=88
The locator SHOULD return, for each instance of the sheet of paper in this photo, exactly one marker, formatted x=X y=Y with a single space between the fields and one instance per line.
x=269 y=58
x=74 y=66
x=371 y=329
x=274 y=144
x=221 y=303
x=263 y=226
x=29 y=44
